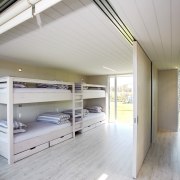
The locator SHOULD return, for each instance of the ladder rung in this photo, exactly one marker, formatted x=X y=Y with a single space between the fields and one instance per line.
x=79 y=108
x=79 y=122
x=78 y=101
x=78 y=129
x=78 y=115
x=78 y=94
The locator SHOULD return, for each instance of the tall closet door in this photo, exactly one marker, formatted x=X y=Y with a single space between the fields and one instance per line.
x=141 y=106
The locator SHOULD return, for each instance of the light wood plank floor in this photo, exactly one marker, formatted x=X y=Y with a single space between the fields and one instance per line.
x=105 y=152
x=163 y=159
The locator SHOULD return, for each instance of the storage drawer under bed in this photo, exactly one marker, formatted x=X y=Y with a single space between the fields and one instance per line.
x=100 y=123
x=30 y=151
x=61 y=139
x=92 y=126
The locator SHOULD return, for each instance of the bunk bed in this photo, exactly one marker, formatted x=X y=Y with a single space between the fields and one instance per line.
x=40 y=135
x=87 y=92
x=91 y=91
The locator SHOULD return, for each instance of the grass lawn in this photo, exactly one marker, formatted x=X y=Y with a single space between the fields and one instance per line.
x=124 y=113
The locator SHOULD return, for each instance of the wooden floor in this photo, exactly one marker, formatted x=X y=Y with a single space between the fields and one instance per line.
x=104 y=153
x=163 y=159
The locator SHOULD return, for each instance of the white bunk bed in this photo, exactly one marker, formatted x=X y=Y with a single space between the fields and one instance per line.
x=40 y=135
x=91 y=92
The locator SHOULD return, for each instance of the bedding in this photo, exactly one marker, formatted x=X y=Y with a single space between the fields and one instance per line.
x=94 y=109
x=78 y=86
x=53 y=86
x=17 y=124
x=36 y=129
x=85 y=112
x=18 y=127
x=54 y=117
x=15 y=131
x=95 y=115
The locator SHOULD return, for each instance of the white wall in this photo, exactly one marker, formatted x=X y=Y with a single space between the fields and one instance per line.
x=36 y=72
x=168 y=100
x=29 y=112
x=142 y=106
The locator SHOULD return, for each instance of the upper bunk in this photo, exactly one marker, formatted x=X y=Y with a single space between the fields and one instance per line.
x=91 y=91
x=18 y=90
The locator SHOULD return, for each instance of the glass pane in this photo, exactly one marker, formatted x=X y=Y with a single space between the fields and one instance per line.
x=112 y=99
x=125 y=99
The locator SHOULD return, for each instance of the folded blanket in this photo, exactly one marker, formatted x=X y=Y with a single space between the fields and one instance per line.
x=78 y=86
x=16 y=124
x=15 y=131
x=53 y=86
x=19 y=85
x=54 y=117
x=94 y=109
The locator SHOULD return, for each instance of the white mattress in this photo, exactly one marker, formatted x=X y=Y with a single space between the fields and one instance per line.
x=94 y=115
x=36 y=129
x=91 y=91
x=36 y=90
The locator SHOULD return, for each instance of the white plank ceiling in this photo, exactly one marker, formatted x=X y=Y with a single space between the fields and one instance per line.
x=75 y=35
x=156 y=26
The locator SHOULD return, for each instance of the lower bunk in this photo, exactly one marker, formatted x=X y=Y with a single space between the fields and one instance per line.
x=39 y=136
x=90 y=121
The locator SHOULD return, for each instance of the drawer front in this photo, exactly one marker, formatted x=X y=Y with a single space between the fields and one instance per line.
x=100 y=123
x=31 y=151
x=89 y=128
x=61 y=139
x=78 y=126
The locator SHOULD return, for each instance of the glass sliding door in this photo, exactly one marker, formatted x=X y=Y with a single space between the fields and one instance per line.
x=120 y=99
x=125 y=99
x=112 y=99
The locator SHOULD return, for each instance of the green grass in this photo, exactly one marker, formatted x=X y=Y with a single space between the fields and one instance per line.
x=124 y=113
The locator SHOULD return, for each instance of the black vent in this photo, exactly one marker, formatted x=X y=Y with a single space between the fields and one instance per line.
x=4 y=4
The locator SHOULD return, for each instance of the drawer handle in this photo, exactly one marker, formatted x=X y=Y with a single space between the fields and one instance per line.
x=61 y=136
x=32 y=148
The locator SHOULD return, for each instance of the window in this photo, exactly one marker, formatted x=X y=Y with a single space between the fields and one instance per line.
x=121 y=99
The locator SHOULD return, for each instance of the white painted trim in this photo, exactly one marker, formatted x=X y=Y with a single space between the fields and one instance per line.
x=13 y=11
x=10 y=121
x=44 y=4
x=23 y=16
x=115 y=99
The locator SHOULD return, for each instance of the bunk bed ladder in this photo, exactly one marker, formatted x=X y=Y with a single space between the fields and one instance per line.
x=79 y=109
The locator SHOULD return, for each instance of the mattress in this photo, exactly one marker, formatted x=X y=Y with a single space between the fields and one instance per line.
x=36 y=129
x=94 y=115
x=36 y=90
x=91 y=91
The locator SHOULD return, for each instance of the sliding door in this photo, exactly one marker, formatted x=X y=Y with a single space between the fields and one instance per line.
x=141 y=107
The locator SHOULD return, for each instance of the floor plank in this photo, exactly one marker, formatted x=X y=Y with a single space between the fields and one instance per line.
x=105 y=151
x=163 y=159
